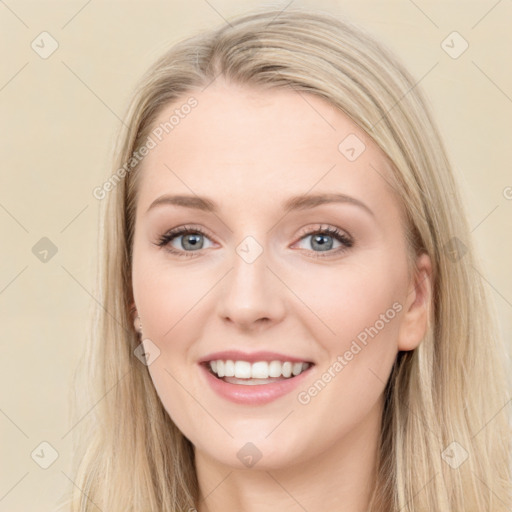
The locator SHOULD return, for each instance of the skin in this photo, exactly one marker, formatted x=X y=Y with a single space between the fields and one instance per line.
x=249 y=150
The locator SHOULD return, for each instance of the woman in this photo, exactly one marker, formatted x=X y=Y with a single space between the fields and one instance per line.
x=291 y=315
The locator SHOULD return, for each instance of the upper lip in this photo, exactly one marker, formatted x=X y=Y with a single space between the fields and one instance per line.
x=253 y=357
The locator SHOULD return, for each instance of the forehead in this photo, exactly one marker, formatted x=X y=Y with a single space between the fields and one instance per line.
x=256 y=146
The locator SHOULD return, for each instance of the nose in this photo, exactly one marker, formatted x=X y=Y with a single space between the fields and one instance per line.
x=252 y=297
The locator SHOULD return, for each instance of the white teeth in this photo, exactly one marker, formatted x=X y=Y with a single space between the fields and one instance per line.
x=297 y=368
x=258 y=370
x=274 y=369
x=229 y=369
x=287 y=369
x=242 y=370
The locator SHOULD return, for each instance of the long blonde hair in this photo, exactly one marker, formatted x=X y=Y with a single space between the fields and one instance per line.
x=446 y=439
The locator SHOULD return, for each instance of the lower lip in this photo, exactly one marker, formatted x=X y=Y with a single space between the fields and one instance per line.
x=257 y=394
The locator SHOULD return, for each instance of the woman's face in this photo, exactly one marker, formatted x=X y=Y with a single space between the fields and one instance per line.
x=322 y=282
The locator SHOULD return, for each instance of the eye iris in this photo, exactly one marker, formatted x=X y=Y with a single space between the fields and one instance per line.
x=193 y=239
x=320 y=239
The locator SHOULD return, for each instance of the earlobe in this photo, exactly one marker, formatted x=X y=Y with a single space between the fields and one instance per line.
x=137 y=324
x=418 y=302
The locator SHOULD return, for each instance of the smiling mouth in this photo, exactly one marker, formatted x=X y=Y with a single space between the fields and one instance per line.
x=260 y=372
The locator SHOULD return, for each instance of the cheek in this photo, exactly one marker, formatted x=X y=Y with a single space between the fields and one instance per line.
x=368 y=324
x=168 y=301
x=349 y=300
x=166 y=296
x=174 y=387
x=362 y=306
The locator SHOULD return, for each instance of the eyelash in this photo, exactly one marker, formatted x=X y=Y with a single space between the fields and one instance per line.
x=165 y=240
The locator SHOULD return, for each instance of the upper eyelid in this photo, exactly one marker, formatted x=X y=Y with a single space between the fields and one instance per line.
x=304 y=232
x=346 y=240
x=186 y=229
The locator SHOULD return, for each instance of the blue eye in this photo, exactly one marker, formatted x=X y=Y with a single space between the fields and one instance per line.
x=192 y=238
x=323 y=239
x=192 y=241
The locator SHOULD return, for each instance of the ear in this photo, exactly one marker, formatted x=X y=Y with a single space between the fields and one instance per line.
x=135 y=318
x=418 y=303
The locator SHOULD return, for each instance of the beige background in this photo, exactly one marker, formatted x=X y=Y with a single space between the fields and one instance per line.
x=59 y=116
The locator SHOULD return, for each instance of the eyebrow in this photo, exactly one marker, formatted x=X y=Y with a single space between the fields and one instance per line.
x=303 y=202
